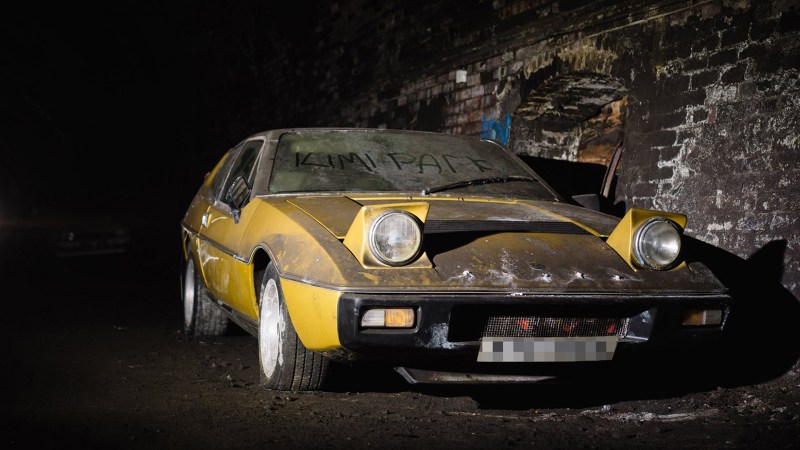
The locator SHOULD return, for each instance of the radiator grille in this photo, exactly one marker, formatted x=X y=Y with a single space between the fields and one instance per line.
x=532 y=326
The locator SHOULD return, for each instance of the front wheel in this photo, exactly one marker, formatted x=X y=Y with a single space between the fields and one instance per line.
x=285 y=362
x=201 y=317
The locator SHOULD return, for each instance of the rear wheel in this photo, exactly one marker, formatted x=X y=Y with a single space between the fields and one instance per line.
x=285 y=362
x=201 y=317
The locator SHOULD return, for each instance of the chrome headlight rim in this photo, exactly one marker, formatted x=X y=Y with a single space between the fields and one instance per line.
x=373 y=245
x=638 y=239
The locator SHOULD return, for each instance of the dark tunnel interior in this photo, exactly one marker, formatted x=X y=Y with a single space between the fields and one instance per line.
x=112 y=114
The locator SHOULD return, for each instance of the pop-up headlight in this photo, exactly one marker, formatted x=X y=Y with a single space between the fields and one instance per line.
x=395 y=238
x=657 y=244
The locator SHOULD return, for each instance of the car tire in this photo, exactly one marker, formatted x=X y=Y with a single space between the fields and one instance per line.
x=285 y=363
x=201 y=316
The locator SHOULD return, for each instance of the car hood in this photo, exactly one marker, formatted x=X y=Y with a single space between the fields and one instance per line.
x=487 y=245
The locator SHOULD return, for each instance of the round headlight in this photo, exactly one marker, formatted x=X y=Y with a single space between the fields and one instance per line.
x=395 y=238
x=657 y=244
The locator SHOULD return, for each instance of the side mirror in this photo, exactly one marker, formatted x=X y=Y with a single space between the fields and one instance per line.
x=602 y=201
x=590 y=201
x=237 y=197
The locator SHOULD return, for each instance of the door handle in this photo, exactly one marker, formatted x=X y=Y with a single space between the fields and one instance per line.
x=204 y=220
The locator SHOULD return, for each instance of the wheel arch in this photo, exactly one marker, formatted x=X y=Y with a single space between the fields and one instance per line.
x=305 y=304
x=259 y=261
x=186 y=244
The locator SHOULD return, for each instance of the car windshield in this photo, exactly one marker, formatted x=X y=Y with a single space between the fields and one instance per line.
x=375 y=161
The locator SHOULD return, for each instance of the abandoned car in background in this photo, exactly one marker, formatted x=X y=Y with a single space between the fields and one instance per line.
x=445 y=256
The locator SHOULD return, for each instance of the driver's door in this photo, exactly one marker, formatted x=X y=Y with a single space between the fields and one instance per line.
x=223 y=226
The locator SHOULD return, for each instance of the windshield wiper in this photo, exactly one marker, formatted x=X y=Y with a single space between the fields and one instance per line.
x=476 y=181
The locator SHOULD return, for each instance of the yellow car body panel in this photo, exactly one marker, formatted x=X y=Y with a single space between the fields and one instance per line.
x=297 y=245
x=336 y=212
x=225 y=275
x=313 y=311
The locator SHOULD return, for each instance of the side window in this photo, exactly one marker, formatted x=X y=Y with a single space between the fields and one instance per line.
x=243 y=167
x=222 y=173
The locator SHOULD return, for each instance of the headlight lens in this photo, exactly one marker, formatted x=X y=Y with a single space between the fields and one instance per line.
x=657 y=244
x=395 y=238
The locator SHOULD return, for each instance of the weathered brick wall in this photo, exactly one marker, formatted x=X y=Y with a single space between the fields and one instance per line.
x=709 y=90
x=718 y=136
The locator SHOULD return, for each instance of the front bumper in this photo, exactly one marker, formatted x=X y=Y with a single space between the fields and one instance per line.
x=448 y=328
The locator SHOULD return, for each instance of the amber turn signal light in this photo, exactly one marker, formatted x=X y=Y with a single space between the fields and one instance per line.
x=388 y=318
x=702 y=317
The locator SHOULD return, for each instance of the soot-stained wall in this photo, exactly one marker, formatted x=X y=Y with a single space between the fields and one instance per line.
x=704 y=94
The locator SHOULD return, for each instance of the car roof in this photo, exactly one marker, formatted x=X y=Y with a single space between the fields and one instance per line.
x=276 y=133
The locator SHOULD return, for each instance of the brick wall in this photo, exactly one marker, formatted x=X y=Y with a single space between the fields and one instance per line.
x=709 y=90
x=718 y=137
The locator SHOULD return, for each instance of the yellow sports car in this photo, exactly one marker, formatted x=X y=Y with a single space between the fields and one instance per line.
x=443 y=255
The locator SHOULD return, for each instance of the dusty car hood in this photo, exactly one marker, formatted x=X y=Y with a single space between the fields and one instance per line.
x=337 y=213
x=479 y=245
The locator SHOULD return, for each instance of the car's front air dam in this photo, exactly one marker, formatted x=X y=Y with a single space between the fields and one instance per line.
x=452 y=326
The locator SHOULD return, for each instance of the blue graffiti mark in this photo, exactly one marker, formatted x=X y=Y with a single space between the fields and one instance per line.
x=496 y=128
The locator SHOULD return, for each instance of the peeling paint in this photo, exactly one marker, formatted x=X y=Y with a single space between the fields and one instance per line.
x=438 y=338
x=465 y=277
x=503 y=277
x=720 y=94
x=507 y=273
x=372 y=277
x=720 y=226
x=575 y=275
x=617 y=276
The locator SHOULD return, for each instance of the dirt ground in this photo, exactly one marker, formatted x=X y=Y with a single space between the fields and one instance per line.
x=94 y=355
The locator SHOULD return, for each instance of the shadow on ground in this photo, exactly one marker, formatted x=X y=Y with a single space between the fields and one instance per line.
x=762 y=338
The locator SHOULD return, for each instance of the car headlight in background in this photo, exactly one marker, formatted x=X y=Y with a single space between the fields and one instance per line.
x=657 y=244
x=395 y=238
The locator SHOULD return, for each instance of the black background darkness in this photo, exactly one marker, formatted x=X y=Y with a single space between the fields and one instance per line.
x=113 y=108
x=118 y=109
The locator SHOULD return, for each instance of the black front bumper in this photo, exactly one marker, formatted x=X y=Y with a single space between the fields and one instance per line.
x=448 y=328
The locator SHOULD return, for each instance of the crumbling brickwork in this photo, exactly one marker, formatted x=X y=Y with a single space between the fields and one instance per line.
x=718 y=139
x=709 y=92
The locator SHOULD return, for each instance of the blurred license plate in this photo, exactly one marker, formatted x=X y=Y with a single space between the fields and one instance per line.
x=553 y=349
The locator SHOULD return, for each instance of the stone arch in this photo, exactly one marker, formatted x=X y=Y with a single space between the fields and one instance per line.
x=564 y=104
x=565 y=114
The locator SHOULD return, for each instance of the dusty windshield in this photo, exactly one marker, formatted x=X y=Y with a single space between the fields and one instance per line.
x=370 y=161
